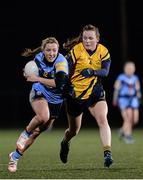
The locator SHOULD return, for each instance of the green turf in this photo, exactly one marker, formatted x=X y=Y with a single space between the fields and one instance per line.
x=42 y=161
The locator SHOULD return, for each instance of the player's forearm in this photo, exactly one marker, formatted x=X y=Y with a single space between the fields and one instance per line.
x=104 y=71
x=47 y=82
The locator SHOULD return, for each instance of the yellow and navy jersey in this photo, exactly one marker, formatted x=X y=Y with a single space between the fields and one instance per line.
x=81 y=59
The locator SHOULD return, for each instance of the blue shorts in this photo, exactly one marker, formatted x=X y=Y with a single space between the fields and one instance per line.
x=128 y=102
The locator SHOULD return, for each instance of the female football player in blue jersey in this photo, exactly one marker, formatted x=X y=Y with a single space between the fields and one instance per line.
x=46 y=96
x=89 y=62
x=126 y=96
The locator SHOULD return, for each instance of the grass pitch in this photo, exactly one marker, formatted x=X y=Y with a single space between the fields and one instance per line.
x=41 y=161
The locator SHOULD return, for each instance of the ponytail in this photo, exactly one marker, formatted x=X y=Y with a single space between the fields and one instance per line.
x=29 y=52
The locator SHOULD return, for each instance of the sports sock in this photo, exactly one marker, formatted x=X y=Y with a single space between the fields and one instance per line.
x=107 y=148
x=27 y=133
x=16 y=155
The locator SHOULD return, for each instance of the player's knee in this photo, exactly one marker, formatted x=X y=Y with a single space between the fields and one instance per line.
x=43 y=118
x=102 y=120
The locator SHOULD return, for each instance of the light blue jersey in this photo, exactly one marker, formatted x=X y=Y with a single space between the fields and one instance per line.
x=48 y=70
x=127 y=96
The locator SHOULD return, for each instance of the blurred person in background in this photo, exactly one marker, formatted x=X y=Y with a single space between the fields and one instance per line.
x=127 y=96
x=46 y=96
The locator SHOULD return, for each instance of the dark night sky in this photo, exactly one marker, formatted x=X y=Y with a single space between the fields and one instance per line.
x=24 y=24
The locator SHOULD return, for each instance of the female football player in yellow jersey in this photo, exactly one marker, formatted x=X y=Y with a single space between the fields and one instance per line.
x=89 y=62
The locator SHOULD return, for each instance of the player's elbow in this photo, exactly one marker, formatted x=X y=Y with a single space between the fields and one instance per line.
x=61 y=80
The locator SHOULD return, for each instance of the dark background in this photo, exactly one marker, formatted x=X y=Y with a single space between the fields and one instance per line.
x=24 y=24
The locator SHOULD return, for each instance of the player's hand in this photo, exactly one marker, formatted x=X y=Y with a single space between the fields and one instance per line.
x=32 y=78
x=87 y=72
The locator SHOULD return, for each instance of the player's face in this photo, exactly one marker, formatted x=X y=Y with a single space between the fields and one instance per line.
x=51 y=51
x=89 y=40
x=129 y=69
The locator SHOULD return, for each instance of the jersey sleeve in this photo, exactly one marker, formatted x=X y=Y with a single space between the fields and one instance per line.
x=105 y=55
x=61 y=65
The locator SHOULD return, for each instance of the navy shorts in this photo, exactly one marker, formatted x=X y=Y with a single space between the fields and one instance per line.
x=77 y=106
x=54 y=109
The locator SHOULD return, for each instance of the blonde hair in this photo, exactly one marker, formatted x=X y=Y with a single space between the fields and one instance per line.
x=29 y=52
